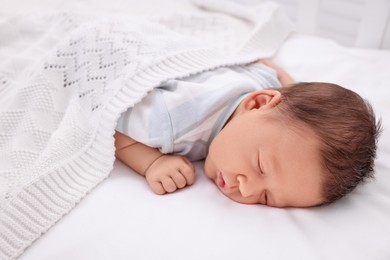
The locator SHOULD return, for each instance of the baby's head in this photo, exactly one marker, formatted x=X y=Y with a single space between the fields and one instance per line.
x=305 y=145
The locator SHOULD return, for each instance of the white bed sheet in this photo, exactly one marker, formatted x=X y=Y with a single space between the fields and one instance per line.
x=123 y=219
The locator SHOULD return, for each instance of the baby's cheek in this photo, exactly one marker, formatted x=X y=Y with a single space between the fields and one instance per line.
x=207 y=167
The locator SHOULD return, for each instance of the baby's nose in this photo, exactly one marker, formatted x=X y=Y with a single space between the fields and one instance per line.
x=246 y=189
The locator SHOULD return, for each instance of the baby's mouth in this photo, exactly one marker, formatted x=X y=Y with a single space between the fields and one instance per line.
x=220 y=180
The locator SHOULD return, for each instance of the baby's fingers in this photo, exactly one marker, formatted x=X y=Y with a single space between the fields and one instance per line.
x=157 y=187
x=188 y=171
x=179 y=180
x=168 y=184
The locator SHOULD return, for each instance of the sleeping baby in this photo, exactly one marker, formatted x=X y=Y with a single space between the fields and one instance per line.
x=265 y=139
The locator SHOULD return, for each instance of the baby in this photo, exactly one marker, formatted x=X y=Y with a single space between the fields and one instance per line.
x=301 y=145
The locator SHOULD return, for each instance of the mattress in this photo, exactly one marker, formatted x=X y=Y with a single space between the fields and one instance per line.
x=123 y=219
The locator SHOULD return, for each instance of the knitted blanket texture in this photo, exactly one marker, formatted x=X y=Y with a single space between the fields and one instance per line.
x=60 y=103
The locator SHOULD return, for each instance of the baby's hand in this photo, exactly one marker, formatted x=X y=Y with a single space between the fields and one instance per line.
x=169 y=173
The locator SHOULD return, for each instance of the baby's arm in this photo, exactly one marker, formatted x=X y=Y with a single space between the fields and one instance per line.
x=163 y=172
x=284 y=78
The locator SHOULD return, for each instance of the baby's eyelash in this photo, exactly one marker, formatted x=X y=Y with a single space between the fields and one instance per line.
x=261 y=170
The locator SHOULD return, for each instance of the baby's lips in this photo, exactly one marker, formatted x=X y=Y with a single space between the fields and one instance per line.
x=220 y=181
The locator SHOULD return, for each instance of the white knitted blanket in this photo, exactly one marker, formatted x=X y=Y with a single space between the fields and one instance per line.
x=61 y=98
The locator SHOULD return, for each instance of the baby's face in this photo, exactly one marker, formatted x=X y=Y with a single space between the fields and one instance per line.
x=256 y=159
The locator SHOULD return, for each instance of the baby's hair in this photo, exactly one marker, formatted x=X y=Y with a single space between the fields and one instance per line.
x=347 y=129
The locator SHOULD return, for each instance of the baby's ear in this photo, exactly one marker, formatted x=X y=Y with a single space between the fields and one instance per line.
x=262 y=99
